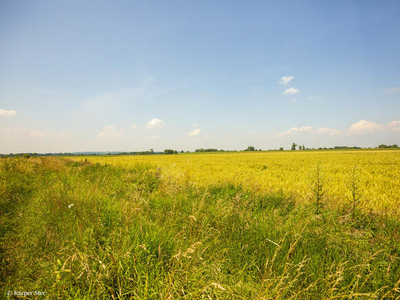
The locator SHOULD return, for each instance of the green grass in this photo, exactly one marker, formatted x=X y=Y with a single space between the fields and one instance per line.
x=130 y=234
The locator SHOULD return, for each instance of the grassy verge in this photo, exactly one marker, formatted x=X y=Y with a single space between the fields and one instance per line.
x=81 y=230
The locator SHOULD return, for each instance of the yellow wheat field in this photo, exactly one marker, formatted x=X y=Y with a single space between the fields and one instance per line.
x=291 y=172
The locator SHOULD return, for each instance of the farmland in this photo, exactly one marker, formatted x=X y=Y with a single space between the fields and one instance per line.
x=223 y=225
x=378 y=173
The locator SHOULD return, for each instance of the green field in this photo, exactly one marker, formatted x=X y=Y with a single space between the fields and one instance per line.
x=202 y=226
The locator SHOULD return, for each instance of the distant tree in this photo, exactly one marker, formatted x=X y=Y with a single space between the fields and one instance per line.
x=250 y=148
x=175 y=152
x=294 y=145
x=281 y=149
x=151 y=150
x=168 y=151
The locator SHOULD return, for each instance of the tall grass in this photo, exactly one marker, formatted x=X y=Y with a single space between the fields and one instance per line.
x=89 y=231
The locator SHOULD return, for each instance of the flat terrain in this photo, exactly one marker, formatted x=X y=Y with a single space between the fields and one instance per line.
x=289 y=172
x=261 y=225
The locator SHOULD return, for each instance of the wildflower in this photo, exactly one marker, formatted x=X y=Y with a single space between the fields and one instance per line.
x=71 y=205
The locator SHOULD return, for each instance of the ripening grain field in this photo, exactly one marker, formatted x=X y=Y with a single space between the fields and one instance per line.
x=292 y=173
x=260 y=225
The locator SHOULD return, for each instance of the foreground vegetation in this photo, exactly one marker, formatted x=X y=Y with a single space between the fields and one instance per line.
x=150 y=230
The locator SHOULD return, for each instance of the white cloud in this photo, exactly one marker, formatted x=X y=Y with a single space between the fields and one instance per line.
x=394 y=90
x=195 y=132
x=331 y=131
x=155 y=123
x=291 y=91
x=293 y=100
x=195 y=125
x=286 y=79
x=134 y=126
x=110 y=132
x=293 y=130
x=7 y=113
x=363 y=126
x=154 y=137
x=311 y=98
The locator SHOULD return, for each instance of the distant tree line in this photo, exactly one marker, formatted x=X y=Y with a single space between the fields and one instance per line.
x=302 y=147
x=388 y=146
x=170 y=151
x=209 y=150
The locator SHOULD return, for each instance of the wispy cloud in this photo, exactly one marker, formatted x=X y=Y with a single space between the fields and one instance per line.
x=311 y=98
x=154 y=137
x=291 y=91
x=286 y=79
x=310 y=130
x=294 y=130
x=195 y=132
x=8 y=113
x=155 y=123
x=394 y=90
x=145 y=88
x=134 y=126
x=110 y=132
x=23 y=132
x=65 y=133
x=331 y=131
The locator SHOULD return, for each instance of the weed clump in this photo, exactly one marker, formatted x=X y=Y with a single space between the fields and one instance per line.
x=319 y=188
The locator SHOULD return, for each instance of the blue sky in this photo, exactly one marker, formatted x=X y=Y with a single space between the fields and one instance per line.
x=135 y=75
